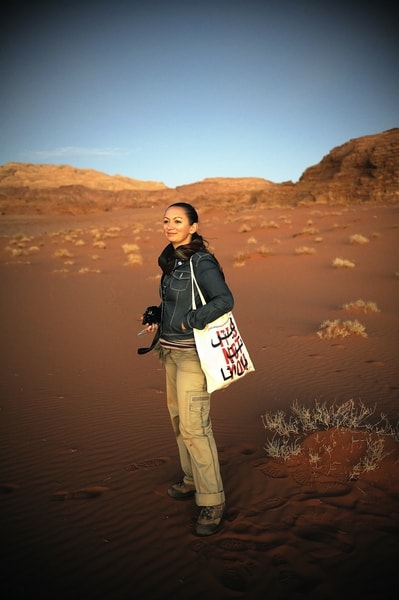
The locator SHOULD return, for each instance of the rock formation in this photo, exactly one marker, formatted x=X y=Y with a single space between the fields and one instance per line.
x=365 y=169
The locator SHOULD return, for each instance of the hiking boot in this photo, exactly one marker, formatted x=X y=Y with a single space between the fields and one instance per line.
x=181 y=491
x=210 y=519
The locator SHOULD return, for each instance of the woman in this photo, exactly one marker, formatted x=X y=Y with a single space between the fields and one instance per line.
x=187 y=399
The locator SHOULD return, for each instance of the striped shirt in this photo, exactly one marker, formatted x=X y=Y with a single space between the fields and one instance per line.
x=188 y=344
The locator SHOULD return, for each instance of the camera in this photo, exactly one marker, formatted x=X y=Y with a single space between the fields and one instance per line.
x=151 y=316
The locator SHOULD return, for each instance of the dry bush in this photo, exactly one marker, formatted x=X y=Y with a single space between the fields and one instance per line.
x=240 y=257
x=353 y=422
x=304 y=250
x=70 y=237
x=343 y=263
x=329 y=330
x=96 y=233
x=245 y=228
x=85 y=270
x=15 y=252
x=112 y=232
x=357 y=238
x=133 y=255
x=99 y=244
x=63 y=253
x=252 y=240
x=264 y=251
x=360 y=305
x=307 y=231
x=269 y=225
x=130 y=248
x=134 y=259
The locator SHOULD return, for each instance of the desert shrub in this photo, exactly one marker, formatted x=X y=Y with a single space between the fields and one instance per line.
x=63 y=253
x=240 y=257
x=112 y=232
x=357 y=238
x=18 y=252
x=264 y=251
x=85 y=270
x=134 y=258
x=304 y=250
x=100 y=244
x=307 y=231
x=343 y=263
x=269 y=225
x=289 y=431
x=331 y=329
x=361 y=305
x=130 y=248
x=245 y=227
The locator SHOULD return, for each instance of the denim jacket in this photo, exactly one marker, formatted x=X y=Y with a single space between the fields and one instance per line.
x=175 y=292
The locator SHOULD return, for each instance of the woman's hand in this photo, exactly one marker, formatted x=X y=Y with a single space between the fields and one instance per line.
x=149 y=327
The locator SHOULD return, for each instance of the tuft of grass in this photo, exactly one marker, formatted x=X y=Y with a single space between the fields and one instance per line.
x=288 y=432
x=269 y=225
x=85 y=270
x=357 y=238
x=329 y=330
x=343 y=263
x=240 y=257
x=304 y=250
x=130 y=248
x=307 y=231
x=133 y=259
x=264 y=251
x=99 y=244
x=360 y=305
x=63 y=253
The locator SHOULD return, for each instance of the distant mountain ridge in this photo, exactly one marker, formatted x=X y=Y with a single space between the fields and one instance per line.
x=365 y=169
x=38 y=176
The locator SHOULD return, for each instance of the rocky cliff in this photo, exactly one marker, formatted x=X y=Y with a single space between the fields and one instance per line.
x=365 y=169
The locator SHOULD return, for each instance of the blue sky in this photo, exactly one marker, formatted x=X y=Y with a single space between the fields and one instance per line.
x=179 y=91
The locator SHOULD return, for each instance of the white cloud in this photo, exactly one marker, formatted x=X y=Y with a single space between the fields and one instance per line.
x=75 y=152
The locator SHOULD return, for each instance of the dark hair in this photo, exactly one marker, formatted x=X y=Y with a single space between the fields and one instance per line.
x=196 y=238
x=190 y=211
x=192 y=216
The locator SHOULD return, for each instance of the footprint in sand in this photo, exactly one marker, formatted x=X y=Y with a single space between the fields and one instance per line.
x=273 y=470
x=7 y=488
x=237 y=577
x=327 y=541
x=146 y=464
x=94 y=491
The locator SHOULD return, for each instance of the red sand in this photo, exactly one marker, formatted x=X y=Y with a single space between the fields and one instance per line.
x=86 y=445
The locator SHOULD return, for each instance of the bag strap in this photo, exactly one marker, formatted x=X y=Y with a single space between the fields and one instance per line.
x=194 y=282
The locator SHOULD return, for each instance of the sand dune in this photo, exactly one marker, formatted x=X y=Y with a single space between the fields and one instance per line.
x=87 y=449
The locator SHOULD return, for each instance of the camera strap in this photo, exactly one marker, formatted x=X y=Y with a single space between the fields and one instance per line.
x=153 y=343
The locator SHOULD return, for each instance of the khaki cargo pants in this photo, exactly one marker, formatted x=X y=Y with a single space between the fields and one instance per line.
x=189 y=408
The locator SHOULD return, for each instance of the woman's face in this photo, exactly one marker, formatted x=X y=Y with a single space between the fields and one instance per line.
x=177 y=227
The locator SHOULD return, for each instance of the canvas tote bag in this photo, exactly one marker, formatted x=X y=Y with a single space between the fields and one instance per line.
x=223 y=355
